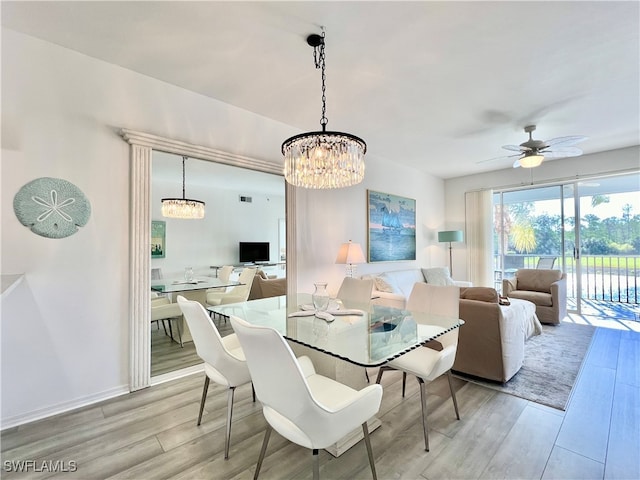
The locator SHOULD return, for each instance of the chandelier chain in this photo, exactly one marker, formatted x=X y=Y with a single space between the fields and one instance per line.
x=183 y=181
x=319 y=60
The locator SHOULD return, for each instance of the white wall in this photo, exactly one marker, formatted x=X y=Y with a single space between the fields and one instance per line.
x=64 y=329
x=214 y=239
x=328 y=218
x=566 y=169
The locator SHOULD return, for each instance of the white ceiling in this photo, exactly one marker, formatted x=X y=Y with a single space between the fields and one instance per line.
x=438 y=86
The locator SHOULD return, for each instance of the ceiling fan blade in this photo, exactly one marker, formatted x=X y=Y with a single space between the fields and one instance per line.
x=516 y=164
x=507 y=157
x=565 y=141
x=562 y=152
x=516 y=148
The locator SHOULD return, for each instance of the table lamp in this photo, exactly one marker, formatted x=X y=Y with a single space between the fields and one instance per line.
x=451 y=236
x=350 y=254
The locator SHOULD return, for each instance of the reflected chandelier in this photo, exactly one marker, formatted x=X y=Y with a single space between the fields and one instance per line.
x=323 y=159
x=182 y=207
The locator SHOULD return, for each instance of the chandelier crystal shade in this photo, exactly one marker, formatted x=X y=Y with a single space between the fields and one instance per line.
x=185 y=208
x=323 y=159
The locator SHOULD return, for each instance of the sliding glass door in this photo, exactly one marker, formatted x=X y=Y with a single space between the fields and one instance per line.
x=600 y=253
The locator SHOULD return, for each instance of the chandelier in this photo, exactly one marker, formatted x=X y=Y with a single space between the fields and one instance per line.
x=182 y=207
x=323 y=159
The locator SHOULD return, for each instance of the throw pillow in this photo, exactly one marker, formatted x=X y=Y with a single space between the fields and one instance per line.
x=382 y=285
x=483 y=294
x=437 y=276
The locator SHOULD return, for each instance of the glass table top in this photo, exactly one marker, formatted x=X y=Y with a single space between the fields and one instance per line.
x=171 y=286
x=368 y=337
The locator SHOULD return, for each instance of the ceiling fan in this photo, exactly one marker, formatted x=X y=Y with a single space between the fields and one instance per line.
x=532 y=152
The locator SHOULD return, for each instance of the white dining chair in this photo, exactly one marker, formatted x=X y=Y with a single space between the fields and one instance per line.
x=224 y=361
x=306 y=408
x=236 y=294
x=223 y=274
x=355 y=292
x=425 y=362
x=163 y=309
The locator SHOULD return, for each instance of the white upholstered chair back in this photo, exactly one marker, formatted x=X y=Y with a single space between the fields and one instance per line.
x=226 y=358
x=355 y=292
x=225 y=273
x=246 y=279
x=284 y=386
x=444 y=301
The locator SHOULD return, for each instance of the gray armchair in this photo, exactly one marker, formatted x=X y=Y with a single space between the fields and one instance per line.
x=547 y=289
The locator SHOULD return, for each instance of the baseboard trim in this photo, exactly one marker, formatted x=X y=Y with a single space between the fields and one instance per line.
x=184 y=372
x=63 y=407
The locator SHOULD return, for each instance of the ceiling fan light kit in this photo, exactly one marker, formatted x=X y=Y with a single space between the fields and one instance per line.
x=533 y=152
x=323 y=159
x=531 y=160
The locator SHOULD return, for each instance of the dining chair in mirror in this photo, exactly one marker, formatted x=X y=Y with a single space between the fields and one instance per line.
x=162 y=309
x=236 y=294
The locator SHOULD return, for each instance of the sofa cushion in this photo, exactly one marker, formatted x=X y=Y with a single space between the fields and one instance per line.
x=536 y=280
x=541 y=299
x=402 y=281
x=437 y=276
x=382 y=285
x=483 y=294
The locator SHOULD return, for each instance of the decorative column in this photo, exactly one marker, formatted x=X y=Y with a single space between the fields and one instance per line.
x=139 y=278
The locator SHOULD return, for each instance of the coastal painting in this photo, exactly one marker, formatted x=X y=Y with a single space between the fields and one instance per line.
x=391 y=227
x=158 y=238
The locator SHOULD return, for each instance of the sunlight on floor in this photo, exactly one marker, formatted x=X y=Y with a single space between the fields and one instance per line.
x=612 y=315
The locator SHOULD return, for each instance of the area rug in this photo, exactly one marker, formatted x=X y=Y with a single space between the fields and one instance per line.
x=552 y=361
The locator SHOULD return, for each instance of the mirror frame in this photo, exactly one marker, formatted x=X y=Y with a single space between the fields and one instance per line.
x=141 y=147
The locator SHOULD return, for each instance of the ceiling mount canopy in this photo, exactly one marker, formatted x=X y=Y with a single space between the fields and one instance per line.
x=182 y=207
x=323 y=159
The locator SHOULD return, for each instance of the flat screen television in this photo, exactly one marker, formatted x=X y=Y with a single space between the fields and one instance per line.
x=254 y=252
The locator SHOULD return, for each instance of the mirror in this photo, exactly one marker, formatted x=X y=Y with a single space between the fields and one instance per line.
x=241 y=205
x=141 y=145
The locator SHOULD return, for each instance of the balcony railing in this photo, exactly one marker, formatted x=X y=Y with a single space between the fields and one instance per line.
x=612 y=278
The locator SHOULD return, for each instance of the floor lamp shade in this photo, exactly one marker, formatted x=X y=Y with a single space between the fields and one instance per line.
x=450 y=236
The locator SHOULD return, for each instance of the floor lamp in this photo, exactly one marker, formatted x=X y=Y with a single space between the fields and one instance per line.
x=451 y=236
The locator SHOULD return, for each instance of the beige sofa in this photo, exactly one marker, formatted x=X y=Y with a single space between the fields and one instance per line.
x=547 y=289
x=491 y=341
x=393 y=288
x=264 y=287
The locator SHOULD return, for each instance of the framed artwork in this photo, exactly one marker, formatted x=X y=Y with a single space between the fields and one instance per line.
x=391 y=227
x=158 y=238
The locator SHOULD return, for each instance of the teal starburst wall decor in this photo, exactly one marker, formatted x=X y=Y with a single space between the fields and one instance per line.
x=52 y=207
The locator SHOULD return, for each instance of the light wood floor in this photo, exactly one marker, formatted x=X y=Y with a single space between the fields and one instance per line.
x=151 y=434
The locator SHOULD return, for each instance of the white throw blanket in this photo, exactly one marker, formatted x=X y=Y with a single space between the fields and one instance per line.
x=523 y=309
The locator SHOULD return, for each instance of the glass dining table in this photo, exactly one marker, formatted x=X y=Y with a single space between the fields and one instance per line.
x=344 y=338
x=368 y=336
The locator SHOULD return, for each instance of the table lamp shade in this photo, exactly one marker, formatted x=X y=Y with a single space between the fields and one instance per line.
x=450 y=236
x=350 y=253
